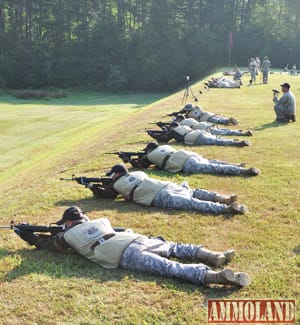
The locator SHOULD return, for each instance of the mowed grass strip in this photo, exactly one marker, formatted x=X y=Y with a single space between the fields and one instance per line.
x=39 y=287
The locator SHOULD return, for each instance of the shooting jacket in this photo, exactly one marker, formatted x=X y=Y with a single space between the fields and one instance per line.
x=167 y=158
x=138 y=187
x=108 y=254
x=187 y=135
x=193 y=124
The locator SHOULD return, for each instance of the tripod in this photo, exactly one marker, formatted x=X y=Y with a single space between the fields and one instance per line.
x=187 y=91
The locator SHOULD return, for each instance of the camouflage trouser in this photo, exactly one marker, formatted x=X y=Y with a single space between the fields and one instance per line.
x=217 y=119
x=197 y=164
x=265 y=76
x=178 y=197
x=216 y=131
x=253 y=75
x=151 y=255
x=206 y=138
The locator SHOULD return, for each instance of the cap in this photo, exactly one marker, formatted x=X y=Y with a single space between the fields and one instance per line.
x=73 y=213
x=117 y=169
x=265 y=57
x=287 y=85
x=188 y=106
x=151 y=146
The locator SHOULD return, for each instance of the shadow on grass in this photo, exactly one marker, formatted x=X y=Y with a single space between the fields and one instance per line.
x=86 y=98
x=73 y=266
x=273 y=124
x=121 y=206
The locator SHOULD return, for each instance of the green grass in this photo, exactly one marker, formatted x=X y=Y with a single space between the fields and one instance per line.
x=45 y=140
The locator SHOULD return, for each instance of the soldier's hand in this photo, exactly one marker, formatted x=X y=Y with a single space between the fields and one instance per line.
x=124 y=157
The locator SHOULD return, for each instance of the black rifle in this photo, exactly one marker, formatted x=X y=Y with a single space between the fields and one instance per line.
x=175 y=113
x=53 y=230
x=126 y=153
x=84 y=180
x=159 y=135
x=161 y=124
x=126 y=156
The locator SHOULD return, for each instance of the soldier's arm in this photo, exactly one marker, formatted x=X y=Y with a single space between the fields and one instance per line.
x=103 y=192
x=176 y=136
x=51 y=243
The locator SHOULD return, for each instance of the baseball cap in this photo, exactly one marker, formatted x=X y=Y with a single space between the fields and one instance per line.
x=117 y=169
x=73 y=213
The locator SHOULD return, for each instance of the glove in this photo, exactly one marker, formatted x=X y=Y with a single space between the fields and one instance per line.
x=18 y=231
x=124 y=157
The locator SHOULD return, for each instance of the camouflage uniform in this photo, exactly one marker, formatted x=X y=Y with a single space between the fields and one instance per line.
x=198 y=164
x=206 y=138
x=217 y=119
x=178 y=197
x=216 y=131
x=152 y=255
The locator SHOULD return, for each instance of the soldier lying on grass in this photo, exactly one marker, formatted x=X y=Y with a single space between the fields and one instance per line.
x=99 y=242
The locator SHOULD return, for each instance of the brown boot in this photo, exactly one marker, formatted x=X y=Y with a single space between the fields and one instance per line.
x=206 y=256
x=238 y=208
x=226 y=277
x=226 y=199
x=229 y=254
x=250 y=171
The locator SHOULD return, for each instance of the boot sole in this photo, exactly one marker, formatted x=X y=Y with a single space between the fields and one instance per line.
x=242 y=279
x=228 y=275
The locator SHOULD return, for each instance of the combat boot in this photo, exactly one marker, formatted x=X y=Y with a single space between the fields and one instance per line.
x=226 y=277
x=250 y=171
x=226 y=199
x=233 y=121
x=238 y=208
x=206 y=256
x=229 y=254
x=248 y=133
x=243 y=143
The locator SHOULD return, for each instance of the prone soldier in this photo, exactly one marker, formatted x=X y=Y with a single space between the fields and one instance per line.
x=100 y=243
x=209 y=127
x=167 y=158
x=139 y=188
x=186 y=135
x=198 y=113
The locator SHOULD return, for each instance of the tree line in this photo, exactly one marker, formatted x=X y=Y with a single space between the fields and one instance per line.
x=138 y=44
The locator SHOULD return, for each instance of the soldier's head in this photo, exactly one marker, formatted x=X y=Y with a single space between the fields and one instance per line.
x=179 y=118
x=188 y=107
x=285 y=87
x=72 y=216
x=150 y=147
x=117 y=171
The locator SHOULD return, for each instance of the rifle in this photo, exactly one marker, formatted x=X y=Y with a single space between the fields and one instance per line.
x=84 y=180
x=175 y=113
x=158 y=135
x=53 y=230
x=126 y=156
x=161 y=124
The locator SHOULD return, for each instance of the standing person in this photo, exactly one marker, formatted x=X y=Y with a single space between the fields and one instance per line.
x=285 y=106
x=266 y=64
x=98 y=241
x=294 y=70
x=253 y=70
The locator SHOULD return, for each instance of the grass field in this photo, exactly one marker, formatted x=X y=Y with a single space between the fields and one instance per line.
x=42 y=141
